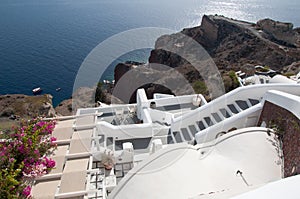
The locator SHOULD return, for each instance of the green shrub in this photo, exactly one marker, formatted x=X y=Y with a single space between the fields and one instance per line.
x=289 y=74
x=100 y=95
x=23 y=157
x=230 y=81
x=200 y=87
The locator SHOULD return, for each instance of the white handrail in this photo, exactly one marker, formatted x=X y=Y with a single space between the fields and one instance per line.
x=241 y=93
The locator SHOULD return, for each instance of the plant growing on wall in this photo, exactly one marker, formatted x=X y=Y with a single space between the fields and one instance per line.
x=278 y=127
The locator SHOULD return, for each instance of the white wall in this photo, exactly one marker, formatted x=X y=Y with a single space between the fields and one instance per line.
x=160 y=116
x=241 y=93
x=125 y=131
x=247 y=118
x=142 y=102
x=287 y=101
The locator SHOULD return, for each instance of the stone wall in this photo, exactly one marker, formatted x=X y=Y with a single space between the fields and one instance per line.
x=279 y=31
x=210 y=30
x=289 y=131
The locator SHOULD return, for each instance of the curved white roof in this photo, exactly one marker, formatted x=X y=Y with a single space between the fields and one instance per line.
x=281 y=79
x=234 y=163
x=285 y=188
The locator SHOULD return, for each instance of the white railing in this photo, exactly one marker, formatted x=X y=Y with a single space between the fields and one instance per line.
x=247 y=118
x=86 y=111
x=142 y=102
x=160 y=95
x=145 y=116
x=160 y=116
x=176 y=100
x=241 y=93
x=287 y=101
x=108 y=109
x=125 y=131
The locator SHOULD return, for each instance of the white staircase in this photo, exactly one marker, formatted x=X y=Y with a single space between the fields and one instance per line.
x=188 y=132
x=230 y=107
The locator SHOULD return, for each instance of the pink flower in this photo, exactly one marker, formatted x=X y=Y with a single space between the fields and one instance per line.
x=29 y=142
x=23 y=129
x=41 y=123
x=36 y=152
x=29 y=145
x=49 y=162
x=26 y=191
x=53 y=139
x=21 y=149
x=38 y=170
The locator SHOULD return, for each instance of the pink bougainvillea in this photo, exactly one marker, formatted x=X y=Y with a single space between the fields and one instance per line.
x=26 y=191
x=24 y=156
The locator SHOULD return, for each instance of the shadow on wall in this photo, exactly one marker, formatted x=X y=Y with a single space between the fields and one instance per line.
x=287 y=127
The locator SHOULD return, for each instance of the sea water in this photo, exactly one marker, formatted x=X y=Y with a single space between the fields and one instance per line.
x=44 y=42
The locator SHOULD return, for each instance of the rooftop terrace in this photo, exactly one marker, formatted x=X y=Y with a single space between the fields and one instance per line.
x=153 y=140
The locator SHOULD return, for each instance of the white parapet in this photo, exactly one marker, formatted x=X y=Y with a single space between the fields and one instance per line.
x=242 y=93
x=285 y=100
x=142 y=102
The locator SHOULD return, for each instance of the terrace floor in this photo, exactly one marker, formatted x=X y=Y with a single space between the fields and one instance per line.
x=237 y=162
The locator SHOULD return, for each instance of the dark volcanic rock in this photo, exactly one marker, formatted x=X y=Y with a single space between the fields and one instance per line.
x=232 y=44
x=64 y=108
x=153 y=78
x=26 y=106
x=294 y=68
x=208 y=52
x=279 y=32
x=122 y=68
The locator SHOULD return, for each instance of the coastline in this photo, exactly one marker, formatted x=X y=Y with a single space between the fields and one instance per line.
x=280 y=40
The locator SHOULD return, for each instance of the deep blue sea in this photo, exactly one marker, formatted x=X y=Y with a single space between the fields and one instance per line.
x=44 y=42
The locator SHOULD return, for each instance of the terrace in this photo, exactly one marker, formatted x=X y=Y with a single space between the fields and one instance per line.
x=139 y=138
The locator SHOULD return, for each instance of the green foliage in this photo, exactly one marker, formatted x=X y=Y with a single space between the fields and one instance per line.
x=200 y=87
x=289 y=74
x=230 y=81
x=10 y=186
x=277 y=126
x=100 y=95
x=23 y=157
x=233 y=77
x=264 y=69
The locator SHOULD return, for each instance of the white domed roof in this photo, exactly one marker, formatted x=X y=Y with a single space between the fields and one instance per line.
x=281 y=79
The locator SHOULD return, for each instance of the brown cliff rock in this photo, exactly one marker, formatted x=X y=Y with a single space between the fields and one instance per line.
x=122 y=68
x=17 y=107
x=280 y=32
x=233 y=44
x=26 y=106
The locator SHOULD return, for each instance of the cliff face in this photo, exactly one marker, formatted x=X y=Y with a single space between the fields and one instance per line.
x=233 y=44
x=15 y=107
x=279 y=32
x=122 y=68
x=26 y=106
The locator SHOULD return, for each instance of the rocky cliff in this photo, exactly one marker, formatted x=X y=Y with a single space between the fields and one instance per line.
x=231 y=44
x=23 y=105
x=280 y=33
x=122 y=68
x=234 y=44
x=15 y=107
